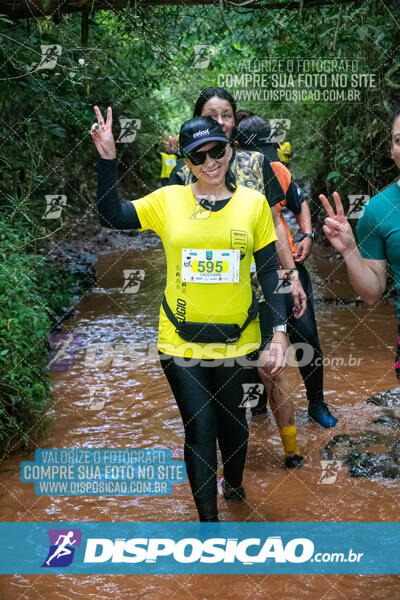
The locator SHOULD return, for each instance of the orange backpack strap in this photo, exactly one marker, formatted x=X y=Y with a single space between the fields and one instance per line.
x=283 y=174
x=284 y=177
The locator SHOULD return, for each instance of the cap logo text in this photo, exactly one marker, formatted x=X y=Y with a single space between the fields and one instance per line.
x=201 y=133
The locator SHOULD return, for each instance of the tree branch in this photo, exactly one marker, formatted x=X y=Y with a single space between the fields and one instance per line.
x=20 y=9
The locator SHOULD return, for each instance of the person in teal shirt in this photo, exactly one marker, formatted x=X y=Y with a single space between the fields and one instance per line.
x=378 y=233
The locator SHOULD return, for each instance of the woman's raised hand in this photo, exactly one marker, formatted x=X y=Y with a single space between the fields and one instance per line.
x=102 y=134
x=337 y=228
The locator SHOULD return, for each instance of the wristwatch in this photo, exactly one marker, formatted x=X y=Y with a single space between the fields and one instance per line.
x=310 y=235
x=280 y=328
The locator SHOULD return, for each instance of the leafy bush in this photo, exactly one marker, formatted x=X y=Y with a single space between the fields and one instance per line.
x=33 y=295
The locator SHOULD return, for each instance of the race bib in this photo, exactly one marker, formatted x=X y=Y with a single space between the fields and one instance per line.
x=210 y=266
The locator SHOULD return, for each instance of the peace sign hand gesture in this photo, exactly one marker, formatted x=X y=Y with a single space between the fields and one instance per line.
x=102 y=134
x=337 y=228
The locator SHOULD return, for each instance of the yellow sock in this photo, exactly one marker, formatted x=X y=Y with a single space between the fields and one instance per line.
x=289 y=439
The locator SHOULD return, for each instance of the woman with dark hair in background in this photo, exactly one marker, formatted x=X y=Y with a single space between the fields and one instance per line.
x=252 y=132
x=208 y=308
x=378 y=233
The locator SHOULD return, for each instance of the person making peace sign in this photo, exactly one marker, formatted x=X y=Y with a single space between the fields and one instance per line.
x=220 y=328
x=378 y=233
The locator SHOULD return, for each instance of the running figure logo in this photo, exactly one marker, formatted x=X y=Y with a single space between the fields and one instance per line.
x=329 y=471
x=54 y=206
x=284 y=284
x=129 y=128
x=61 y=551
x=63 y=347
x=50 y=54
x=279 y=127
x=357 y=204
x=203 y=206
x=252 y=393
x=202 y=55
x=132 y=280
x=97 y=396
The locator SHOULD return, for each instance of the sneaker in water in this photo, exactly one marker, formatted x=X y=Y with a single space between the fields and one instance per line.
x=233 y=494
x=320 y=413
x=294 y=462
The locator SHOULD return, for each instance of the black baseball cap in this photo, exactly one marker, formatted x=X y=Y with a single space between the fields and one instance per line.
x=253 y=132
x=199 y=131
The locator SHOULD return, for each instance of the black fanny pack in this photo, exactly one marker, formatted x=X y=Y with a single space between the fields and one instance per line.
x=205 y=333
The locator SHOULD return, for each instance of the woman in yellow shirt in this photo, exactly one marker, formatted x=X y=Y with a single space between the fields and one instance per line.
x=208 y=329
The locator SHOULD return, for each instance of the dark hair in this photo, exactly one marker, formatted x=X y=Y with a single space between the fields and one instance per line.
x=253 y=132
x=391 y=119
x=205 y=95
x=210 y=92
x=243 y=114
x=230 y=180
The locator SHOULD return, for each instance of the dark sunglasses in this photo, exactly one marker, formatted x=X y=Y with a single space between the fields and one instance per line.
x=198 y=158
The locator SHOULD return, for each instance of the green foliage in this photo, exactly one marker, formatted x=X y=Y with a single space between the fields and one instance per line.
x=33 y=295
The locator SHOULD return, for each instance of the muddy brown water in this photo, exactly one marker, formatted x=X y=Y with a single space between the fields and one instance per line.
x=140 y=412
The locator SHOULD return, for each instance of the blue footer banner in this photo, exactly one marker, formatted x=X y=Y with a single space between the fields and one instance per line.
x=212 y=548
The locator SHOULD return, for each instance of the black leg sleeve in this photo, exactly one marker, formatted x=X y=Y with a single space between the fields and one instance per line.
x=267 y=267
x=112 y=213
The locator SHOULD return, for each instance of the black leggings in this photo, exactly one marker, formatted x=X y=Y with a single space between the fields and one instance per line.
x=304 y=331
x=209 y=399
x=301 y=331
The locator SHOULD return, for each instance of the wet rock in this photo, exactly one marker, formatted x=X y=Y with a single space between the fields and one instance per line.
x=79 y=264
x=396 y=453
x=387 y=398
x=368 y=453
x=90 y=237
x=337 y=448
x=367 y=464
x=69 y=259
x=342 y=301
x=388 y=418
